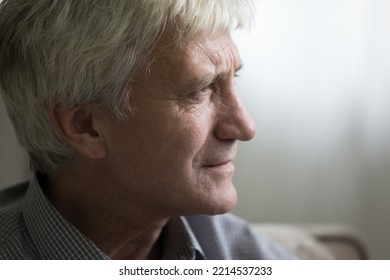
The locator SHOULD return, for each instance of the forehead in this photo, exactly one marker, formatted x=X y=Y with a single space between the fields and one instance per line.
x=215 y=54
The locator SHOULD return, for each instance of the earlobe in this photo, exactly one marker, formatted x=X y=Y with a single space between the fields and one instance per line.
x=78 y=128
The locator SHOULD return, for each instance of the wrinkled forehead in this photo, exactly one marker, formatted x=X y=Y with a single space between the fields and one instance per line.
x=213 y=50
x=189 y=65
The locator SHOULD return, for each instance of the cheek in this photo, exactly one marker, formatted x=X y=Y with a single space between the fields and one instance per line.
x=184 y=142
x=179 y=151
x=162 y=145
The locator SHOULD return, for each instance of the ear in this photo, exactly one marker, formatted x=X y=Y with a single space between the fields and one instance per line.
x=80 y=129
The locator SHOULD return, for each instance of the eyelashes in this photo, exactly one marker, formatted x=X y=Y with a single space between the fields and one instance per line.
x=201 y=95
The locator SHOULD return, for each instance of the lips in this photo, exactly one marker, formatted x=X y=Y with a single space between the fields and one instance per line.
x=222 y=167
x=220 y=159
x=221 y=163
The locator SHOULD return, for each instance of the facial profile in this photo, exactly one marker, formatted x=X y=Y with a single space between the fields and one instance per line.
x=175 y=151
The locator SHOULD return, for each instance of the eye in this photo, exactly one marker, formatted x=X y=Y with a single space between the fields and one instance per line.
x=206 y=92
x=201 y=95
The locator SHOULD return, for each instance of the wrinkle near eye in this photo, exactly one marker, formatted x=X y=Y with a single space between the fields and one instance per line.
x=191 y=76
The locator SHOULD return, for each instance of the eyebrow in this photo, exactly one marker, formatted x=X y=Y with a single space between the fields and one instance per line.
x=239 y=68
x=210 y=78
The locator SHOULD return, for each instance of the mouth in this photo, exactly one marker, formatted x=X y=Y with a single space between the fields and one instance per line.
x=221 y=166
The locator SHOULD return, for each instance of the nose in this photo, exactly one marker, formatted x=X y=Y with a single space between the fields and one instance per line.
x=235 y=122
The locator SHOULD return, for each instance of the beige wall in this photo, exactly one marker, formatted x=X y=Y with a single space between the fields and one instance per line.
x=316 y=78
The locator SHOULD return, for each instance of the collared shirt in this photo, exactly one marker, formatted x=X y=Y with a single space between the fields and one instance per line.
x=31 y=228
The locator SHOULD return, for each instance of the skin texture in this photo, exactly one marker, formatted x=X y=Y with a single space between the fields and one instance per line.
x=171 y=157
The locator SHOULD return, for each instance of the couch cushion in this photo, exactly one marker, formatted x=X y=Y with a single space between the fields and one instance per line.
x=317 y=241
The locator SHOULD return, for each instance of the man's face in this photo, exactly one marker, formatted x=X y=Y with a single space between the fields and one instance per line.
x=174 y=154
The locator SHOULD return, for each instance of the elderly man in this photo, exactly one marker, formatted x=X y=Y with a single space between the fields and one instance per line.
x=130 y=116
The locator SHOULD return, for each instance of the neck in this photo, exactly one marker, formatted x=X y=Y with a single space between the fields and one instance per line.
x=123 y=230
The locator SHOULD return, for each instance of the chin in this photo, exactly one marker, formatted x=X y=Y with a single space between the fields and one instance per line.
x=222 y=203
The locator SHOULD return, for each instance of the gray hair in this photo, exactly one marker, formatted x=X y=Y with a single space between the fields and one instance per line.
x=83 y=52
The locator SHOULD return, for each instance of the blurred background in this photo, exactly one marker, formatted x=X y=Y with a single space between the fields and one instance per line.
x=316 y=78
